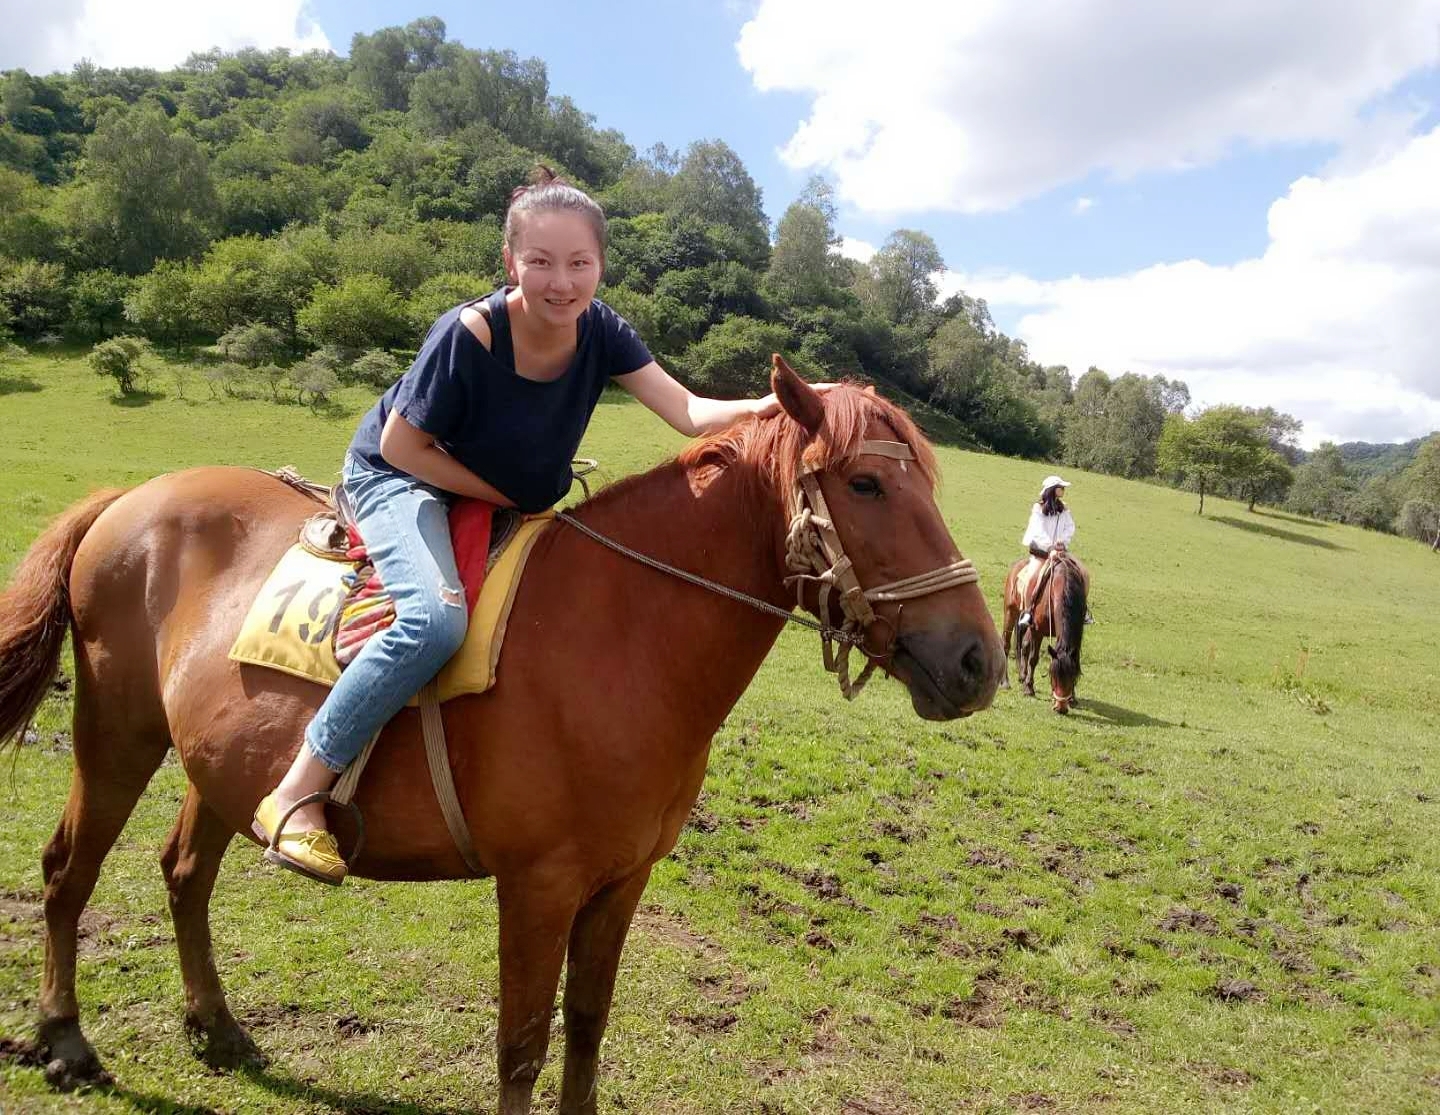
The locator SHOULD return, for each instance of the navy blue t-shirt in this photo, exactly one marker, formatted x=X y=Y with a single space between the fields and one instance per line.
x=516 y=434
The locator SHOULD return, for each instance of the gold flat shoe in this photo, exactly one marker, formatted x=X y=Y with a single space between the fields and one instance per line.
x=313 y=854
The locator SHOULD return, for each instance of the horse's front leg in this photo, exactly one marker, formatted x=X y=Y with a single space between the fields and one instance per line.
x=537 y=909
x=1027 y=653
x=595 y=945
x=1009 y=630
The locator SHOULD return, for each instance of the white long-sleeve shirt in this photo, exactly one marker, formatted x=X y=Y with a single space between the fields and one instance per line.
x=1046 y=530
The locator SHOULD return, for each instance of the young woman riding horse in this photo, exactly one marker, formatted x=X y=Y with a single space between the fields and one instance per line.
x=1045 y=597
x=494 y=409
x=575 y=772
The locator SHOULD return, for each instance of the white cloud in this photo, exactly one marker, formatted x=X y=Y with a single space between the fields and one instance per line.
x=974 y=105
x=1082 y=205
x=50 y=36
x=1336 y=322
x=860 y=250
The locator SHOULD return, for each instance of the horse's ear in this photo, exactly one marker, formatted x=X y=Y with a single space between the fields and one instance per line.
x=798 y=399
x=870 y=389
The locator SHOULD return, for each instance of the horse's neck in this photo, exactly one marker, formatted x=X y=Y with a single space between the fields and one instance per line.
x=714 y=524
x=1065 y=626
x=721 y=526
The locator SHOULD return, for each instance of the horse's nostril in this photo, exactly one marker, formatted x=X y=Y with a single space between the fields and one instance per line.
x=972 y=662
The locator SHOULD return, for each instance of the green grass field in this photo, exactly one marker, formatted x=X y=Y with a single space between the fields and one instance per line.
x=1216 y=887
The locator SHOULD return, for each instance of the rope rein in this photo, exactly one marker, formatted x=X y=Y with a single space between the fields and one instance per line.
x=815 y=555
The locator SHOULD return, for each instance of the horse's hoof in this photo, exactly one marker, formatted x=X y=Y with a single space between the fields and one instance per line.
x=70 y=1060
x=224 y=1045
x=69 y=1076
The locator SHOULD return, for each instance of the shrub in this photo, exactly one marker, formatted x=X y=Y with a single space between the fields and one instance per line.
x=122 y=359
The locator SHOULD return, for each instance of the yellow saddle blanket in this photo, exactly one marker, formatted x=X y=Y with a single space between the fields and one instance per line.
x=290 y=624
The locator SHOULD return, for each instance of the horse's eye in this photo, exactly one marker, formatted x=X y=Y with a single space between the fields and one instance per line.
x=865 y=486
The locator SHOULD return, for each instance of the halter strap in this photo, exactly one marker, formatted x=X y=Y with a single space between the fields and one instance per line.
x=815 y=555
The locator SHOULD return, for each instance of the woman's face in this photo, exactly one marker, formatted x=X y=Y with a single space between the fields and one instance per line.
x=556 y=263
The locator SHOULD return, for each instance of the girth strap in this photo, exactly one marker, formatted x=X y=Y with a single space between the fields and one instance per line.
x=437 y=755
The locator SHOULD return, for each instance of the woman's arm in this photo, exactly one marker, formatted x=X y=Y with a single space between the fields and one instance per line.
x=686 y=412
x=1035 y=531
x=691 y=414
x=412 y=450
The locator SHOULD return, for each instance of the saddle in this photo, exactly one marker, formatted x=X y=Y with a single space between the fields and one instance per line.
x=281 y=639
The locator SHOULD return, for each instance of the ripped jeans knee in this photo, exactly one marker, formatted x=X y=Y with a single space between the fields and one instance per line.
x=405 y=524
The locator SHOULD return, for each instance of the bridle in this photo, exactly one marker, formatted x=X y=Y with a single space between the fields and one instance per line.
x=814 y=554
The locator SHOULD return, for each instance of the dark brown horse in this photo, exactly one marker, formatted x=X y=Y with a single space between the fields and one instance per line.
x=576 y=772
x=1059 y=614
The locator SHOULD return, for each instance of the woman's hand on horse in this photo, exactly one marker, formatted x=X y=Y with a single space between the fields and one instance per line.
x=769 y=404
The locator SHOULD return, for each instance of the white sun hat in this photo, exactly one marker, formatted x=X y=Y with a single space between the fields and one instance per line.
x=1053 y=482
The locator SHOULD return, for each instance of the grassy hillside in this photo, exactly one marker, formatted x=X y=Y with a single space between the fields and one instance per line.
x=1216 y=887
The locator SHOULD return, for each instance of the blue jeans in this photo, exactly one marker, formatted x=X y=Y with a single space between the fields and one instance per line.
x=406 y=528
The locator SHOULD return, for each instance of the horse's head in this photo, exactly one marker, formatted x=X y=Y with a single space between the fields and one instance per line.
x=870 y=549
x=1064 y=673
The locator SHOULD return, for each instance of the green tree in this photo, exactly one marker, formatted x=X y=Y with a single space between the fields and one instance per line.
x=145 y=194
x=802 y=263
x=403 y=259
x=733 y=358
x=375 y=368
x=321 y=124
x=1267 y=477
x=315 y=376
x=440 y=293
x=1114 y=425
x=972 y=378
x=361 y=312
x=252 y=344
x=712 y=187
x=1421 y=478
x=667 y=325
x=384 y=65
x=28 y=230
x=1375 y=504
x=33 y=296
x=161 y=303
x=900 y=282
x=494 y=87
x=121 y=359
x=97 y=302
x=1322 y=485
x=1214 y=449
x=1420 y=519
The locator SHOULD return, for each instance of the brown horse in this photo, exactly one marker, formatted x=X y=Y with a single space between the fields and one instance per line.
x=1059 y=614
x=575 y=773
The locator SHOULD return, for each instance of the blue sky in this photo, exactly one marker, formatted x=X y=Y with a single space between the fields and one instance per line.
x=1243 y=196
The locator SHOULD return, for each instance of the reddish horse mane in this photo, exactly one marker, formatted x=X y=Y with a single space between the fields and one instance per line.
x=775 y=448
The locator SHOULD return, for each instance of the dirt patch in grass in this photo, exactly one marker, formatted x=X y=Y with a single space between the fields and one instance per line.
x=701 y=1022
x=1182 y=917
x=872 y=1107
x=716 y=978
x=1220 y=1074
x=25 y=909
x=1237 y=991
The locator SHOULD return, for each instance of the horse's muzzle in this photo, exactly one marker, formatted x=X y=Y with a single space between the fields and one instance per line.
x=950 y=673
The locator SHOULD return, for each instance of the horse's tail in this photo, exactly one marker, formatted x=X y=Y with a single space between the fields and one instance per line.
x=35 y=613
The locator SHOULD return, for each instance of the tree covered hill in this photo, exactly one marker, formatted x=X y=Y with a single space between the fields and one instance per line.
x=304 y=218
